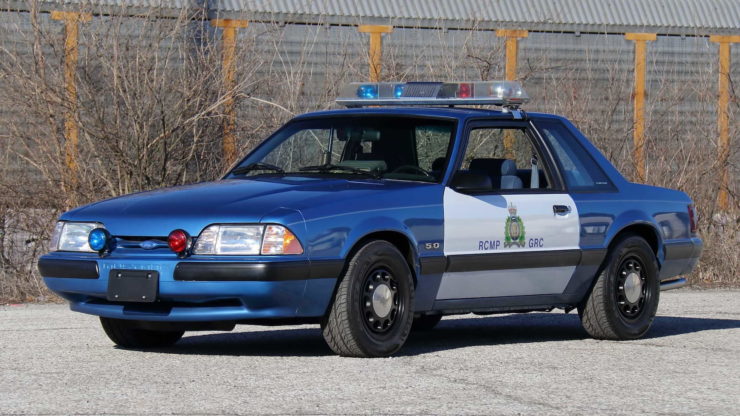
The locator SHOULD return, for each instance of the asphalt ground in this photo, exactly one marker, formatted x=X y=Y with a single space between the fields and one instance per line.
x=53 y=361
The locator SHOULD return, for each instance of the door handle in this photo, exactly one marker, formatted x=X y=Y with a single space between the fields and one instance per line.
x=560 y=209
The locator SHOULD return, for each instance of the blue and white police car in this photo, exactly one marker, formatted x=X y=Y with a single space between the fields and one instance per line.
x=379 y=219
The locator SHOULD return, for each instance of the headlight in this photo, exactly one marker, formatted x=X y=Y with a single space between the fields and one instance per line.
x=247 y=240
x=72 y=236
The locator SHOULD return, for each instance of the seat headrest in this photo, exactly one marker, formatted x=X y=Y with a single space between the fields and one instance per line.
x=438 y=164
x=491 y=166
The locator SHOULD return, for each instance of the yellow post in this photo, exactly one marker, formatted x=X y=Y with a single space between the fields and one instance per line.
x=511 y=44
x=638 y=135
x=723 y=117
x=228 y=65
x=375 y=55
x=71 y=130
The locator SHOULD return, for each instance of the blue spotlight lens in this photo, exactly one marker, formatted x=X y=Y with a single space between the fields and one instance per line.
x=398 y=91
x=98 y=239
x=367 y=91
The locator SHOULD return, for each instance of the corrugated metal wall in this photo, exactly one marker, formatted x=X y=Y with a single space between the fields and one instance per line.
x=672 y=16
x=587 y=77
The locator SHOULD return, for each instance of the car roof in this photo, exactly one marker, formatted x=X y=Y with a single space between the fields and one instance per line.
x=460 y=113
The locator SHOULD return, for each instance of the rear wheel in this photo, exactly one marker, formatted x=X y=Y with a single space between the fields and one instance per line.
x=372 y=311
x=124 y=333
x=425 y=322
x=624 y=299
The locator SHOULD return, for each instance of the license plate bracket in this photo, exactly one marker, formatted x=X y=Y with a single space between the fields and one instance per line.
x=133 y=285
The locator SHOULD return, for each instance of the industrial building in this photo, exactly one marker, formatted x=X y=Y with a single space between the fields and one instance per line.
x=636 y=75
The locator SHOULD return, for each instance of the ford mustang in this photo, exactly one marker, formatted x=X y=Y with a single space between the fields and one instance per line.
x=413 y=203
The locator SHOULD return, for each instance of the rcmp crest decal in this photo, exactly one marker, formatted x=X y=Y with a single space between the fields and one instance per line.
x=514 y=229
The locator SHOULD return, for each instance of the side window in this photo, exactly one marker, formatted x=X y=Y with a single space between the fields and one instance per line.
x=432 y=142
x=507 y=157
x=580 y=171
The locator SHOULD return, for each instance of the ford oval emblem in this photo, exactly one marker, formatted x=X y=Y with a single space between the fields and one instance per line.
x=148 y=245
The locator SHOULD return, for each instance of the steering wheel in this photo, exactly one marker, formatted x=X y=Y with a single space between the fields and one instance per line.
x=411 y=169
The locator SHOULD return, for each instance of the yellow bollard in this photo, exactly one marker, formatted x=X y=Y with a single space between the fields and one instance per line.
x=228 y=65
x=71 y=129
x=375 y=54
x=638 y=135
x=723 y=117
x=511 y=44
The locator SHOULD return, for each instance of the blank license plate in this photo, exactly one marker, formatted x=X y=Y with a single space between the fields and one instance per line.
x=133 y=285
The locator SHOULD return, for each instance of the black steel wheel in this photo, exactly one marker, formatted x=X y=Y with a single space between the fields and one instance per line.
x=631 y=289
x=624 y=299
x=380 y=302
x=372 y=312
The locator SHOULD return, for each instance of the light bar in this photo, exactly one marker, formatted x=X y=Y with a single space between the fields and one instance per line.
x=508 y=94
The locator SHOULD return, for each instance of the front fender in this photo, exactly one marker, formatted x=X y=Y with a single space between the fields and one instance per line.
x=374 y=225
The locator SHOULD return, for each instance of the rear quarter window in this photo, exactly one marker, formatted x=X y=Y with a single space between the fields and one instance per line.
x=579 y=169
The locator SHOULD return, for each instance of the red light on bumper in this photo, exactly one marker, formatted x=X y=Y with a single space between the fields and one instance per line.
x=179 y=241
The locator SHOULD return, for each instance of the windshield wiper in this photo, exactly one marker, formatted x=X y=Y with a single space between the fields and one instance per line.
x=256 y=166
x=329 y=167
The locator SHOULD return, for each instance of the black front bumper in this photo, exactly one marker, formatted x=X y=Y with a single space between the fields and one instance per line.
x=74 y=269
x=245 y=272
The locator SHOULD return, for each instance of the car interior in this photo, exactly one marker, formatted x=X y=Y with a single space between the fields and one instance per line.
x=487 y=170
x=395 y=151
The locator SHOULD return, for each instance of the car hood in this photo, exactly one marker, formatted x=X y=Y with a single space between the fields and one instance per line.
x=192 y=207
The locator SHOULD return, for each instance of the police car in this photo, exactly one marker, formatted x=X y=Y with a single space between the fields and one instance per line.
x=379 y=219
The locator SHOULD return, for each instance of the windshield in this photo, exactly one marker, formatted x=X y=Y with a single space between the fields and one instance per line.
x=381 y=147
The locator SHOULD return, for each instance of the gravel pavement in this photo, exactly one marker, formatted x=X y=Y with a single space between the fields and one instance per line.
x=53 y=361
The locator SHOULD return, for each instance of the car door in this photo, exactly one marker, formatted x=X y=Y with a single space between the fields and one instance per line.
x=516 y=232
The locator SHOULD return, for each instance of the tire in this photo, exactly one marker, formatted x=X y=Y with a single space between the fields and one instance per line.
x=367 y=319
x=125 y=334
x=617 y=307
x=425 y=322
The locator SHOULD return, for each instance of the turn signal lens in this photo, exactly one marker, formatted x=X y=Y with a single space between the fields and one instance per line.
x=56 y=235
x=280 y=240
x=179 y=241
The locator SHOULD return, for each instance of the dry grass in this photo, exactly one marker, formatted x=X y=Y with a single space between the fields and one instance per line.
x=150 y=112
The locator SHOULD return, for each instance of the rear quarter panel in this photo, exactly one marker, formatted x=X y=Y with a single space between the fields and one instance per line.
x=604 y=216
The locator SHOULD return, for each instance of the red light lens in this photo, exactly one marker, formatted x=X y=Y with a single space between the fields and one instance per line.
x=465 y=91
x=692 y=219
x=179 y=241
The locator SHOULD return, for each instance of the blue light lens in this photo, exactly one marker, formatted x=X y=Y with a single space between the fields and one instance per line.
x=367 y=91
x=398 y=91
x=98 y=239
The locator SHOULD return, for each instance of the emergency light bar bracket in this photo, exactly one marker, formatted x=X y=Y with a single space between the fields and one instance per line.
x=515 y=112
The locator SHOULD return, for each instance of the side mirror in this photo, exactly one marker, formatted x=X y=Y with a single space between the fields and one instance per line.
x=468 y=181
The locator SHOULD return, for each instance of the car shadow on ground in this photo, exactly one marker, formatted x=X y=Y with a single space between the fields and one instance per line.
x=451 y=333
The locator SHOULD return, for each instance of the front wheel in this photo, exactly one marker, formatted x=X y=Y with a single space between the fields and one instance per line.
x=126 y=334
x=624 y=299
x=373 y=308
